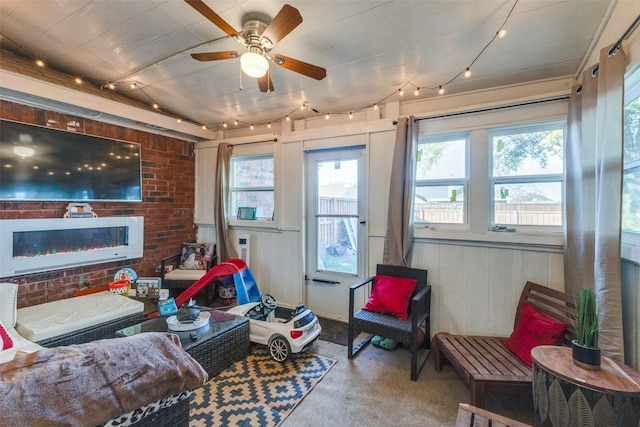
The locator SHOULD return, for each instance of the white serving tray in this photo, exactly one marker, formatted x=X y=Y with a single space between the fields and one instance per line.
x=174 y=325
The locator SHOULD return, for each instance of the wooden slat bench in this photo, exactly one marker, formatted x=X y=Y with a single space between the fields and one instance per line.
x=484 y=362
x=470 y=416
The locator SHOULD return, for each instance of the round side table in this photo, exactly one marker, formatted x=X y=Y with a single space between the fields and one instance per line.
x=567 y=395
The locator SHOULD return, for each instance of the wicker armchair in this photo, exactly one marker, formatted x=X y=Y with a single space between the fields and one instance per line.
x=402 y=331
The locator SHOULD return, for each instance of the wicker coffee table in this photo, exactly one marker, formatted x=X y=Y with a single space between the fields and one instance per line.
x=216 y=346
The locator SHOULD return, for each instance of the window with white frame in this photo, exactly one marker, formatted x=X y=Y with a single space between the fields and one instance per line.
x=527 y=175
x=441 y=176
x=252 y=185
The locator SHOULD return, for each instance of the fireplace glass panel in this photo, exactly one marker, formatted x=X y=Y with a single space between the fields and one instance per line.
x=27 y=244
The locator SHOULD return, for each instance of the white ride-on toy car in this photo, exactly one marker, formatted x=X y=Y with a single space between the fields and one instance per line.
x=283 y=330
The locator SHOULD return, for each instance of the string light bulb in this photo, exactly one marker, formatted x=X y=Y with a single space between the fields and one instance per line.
x=111 y=86
x=416 y=92
x=302 y=107
x=78 y=80
x=224 y=124
x=440 y=90
x=155 y=106
x=204 y=127
x=326 y=116
x=179 y=120
x=467 y=72
x=269 y=125
x=502 y=33
x=400 y=92
x=287 y=118
x=40 y=63
x=133 y=85
x=350 y=114
x=235 y=123
x=251 y=126
x=375 y=106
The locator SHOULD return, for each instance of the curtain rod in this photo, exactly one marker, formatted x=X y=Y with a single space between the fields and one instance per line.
x=256 y=142
x=616 y=46
x=484 y=110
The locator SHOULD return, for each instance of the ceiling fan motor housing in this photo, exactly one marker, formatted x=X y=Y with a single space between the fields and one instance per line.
x=252 y=33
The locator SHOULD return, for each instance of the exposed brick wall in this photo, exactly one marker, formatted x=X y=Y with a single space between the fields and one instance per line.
x=168 y=187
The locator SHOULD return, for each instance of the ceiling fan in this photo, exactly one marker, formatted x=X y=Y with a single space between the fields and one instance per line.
x=259 y=38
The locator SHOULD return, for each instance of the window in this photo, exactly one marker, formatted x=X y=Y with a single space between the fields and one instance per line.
x=527 y=175
x=631 y=177
x=252 y=184
x=631 y=172
x=441 y=174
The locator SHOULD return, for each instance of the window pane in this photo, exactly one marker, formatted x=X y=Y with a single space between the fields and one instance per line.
x=442 y=204
x=631 y=200
x=528 y=204
x=337 y=244
x=261 y=200
x=632 y=131
x=528 y=153
x=253 y=172
x=441 y=159
x=337 y=187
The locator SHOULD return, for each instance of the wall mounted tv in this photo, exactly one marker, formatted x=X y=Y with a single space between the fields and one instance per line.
x=42 y=163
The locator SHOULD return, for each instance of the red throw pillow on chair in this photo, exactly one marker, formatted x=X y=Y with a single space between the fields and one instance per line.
x=5 y=338
x=533 y=329
x=391 y=295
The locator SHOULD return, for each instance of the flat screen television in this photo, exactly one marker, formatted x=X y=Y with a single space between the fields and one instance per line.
x=39 y=163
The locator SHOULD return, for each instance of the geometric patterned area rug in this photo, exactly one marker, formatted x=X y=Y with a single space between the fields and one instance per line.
x=257 y=391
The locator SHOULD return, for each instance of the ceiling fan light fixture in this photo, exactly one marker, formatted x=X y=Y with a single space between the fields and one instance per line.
x=254 y=64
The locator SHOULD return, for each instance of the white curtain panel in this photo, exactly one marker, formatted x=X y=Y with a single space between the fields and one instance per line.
x=594 y=161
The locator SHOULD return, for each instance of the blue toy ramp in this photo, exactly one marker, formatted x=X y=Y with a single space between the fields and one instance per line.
x=246 y=286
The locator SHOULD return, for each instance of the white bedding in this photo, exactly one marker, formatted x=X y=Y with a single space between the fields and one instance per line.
x=44 y=321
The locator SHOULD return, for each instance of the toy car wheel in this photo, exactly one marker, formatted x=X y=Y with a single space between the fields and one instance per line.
x=279 y=349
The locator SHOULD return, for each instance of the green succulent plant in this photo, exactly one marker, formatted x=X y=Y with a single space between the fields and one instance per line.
x=587 y=318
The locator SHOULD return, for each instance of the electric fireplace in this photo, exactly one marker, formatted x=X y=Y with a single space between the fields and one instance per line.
x=45 y=244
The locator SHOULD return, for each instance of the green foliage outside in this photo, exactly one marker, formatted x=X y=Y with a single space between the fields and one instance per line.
x=631 y=181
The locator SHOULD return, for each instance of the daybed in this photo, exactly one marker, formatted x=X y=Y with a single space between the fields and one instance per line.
x=141 y=369
x=93 y=383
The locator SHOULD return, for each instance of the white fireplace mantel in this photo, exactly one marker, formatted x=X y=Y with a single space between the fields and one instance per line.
x=44 y=244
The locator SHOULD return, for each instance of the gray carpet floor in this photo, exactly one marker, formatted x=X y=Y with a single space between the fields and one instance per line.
x=374 y=389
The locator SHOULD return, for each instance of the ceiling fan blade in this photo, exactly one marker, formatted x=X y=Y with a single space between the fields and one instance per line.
x=213 y=17
x=265 y=84
x=285 y=21
x=214 y=56
x=308 y=70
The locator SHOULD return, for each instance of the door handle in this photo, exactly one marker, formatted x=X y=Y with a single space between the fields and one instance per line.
x=329 y=282
x=363 y=222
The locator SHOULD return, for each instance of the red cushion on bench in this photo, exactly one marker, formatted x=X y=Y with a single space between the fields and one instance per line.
x=533 y=329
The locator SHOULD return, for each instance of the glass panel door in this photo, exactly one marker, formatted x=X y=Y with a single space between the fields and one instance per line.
x=335 y=229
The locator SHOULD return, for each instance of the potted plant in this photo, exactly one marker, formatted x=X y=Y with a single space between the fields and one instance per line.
x=585 y=350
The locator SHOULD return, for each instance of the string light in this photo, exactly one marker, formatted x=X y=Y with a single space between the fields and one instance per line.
x=287 y=118
x=440 y=90
x=111 y=86
x=235 y=123
x=204 y=127
x=327 y=116
x=502 y=33
x=400 y=92
x=269 y=125
x=416 y=92
x=78 y=80
x=351 y=115
x=224 y=124
x=375 y=106
x=251 y=126
x=179 y=120
x=156 y=106
x=40 y=63
x=133 y=85
x=467 y=72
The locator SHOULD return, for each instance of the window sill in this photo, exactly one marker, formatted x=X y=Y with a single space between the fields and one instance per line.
x=549 y=239
x=253 y=223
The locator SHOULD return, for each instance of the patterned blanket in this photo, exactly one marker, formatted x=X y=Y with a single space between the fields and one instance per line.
x=89 y=384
